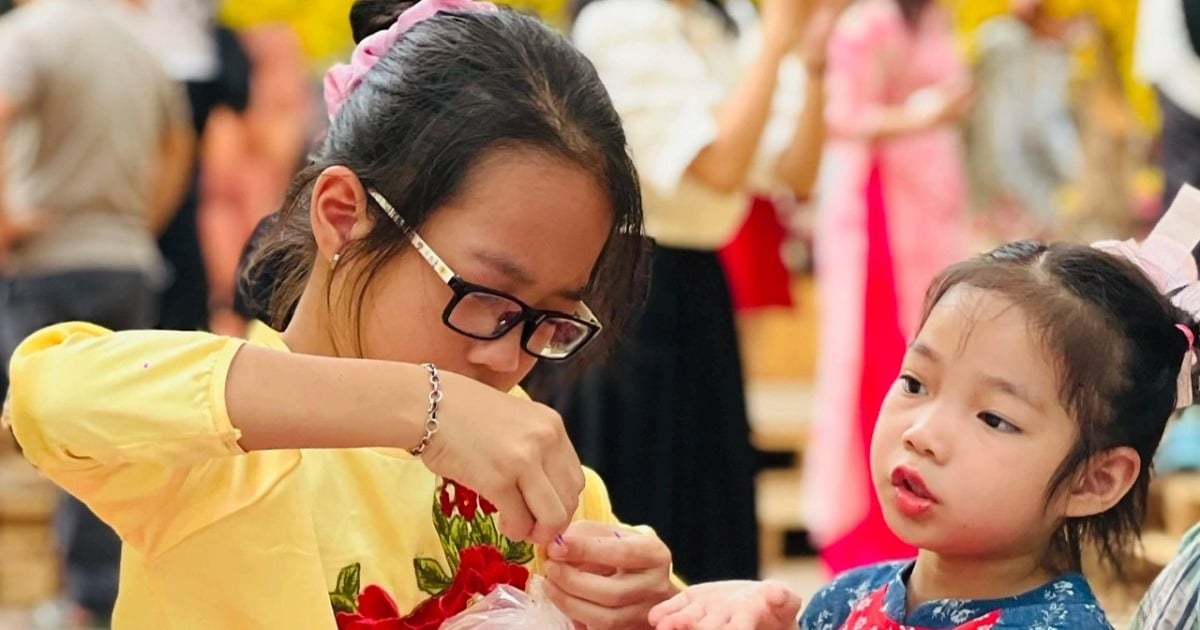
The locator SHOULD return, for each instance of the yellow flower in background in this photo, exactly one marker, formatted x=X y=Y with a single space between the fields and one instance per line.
x=324 y=30
x=323 y=26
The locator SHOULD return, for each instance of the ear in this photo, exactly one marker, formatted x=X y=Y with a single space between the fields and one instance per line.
x=338 y=210
x=1103 y=482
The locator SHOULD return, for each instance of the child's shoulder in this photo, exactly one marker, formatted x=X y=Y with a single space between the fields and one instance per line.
x=1065 y=603
x=830 y=606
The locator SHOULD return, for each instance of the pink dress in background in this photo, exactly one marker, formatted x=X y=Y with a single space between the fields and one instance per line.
x=891 y=215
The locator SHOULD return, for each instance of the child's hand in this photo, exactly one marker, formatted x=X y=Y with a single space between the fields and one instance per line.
x=732 y=605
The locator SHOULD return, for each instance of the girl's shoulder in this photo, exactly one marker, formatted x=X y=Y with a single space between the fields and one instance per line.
x=1066 y=603
x=829 y=607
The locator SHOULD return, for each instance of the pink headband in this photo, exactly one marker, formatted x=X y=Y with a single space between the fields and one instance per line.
x=1166 y=258
x=343 y=78
x=1187 y=332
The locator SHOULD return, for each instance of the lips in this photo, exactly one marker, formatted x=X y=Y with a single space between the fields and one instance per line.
x=913 y=497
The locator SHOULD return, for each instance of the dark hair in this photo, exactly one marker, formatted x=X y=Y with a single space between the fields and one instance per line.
x=453 y=88
x=912 y=10
x=252 y=294
x=1119 y=352
x=370 y=16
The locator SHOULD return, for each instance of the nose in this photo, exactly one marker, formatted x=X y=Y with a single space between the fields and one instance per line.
x=926 y=436
x=499 y=356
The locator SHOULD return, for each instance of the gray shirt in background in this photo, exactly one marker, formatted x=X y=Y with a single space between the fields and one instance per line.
x=94 y=106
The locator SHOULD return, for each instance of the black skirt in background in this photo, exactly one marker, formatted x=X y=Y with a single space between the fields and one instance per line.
x=664 y=421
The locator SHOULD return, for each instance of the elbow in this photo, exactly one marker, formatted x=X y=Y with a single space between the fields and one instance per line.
x=723 y=180
x=726 y=185
x=41 y=407
x=32 y=416
x=719 y=174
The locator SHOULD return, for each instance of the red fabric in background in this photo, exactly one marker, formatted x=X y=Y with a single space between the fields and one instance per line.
x=753 y=261
x=883 y=346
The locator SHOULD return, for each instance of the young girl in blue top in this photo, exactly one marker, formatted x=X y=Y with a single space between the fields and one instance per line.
x=1019 y=432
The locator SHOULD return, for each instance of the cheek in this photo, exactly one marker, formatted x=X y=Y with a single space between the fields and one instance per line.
x=403 y=322
x=889 y=426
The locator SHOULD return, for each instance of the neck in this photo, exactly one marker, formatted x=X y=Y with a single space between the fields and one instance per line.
x=938 y=576
x=309 y=331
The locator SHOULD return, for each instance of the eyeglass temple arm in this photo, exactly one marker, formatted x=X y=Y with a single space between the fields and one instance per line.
x=442 y=269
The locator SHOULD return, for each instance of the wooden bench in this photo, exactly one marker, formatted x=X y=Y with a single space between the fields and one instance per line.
x=779 y=423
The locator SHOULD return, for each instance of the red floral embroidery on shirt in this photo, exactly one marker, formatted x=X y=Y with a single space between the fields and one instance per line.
x=869 y=613
x=478 y=559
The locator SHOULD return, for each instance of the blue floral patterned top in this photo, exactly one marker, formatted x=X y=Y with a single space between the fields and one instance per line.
x=873 y=598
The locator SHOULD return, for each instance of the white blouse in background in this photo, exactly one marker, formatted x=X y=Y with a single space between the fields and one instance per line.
x=669 y=67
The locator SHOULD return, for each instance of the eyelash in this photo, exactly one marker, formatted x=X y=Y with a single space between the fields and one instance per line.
x=993 y=421
x=909 y=381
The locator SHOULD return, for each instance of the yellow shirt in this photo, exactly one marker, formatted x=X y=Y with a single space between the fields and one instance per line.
x=135 y=425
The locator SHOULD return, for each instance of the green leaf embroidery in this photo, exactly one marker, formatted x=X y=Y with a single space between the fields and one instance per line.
x=348 y=581
x=485 y=525
x=518 y=552
x=341 y=603
x=442 y=527
x=460 y=534
x=439 y=519
x=430 y=577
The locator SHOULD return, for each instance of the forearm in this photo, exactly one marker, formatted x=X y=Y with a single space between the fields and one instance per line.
x=279 y=400
x=725 y=163
x=799 y=164
x=888 y=121
x=172 y=177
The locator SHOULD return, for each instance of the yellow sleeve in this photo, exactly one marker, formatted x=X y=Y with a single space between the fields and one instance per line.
x=83 y=397
x=134 y=424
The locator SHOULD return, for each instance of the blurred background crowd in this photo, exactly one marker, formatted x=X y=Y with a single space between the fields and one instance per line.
x=903 y=136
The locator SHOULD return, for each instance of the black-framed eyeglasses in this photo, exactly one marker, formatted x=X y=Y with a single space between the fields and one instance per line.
x=483 y=313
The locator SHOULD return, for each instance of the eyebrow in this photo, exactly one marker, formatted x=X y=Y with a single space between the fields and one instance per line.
x=1002 y=385
x=1012 y=389
x=510 y=268
x=924 y=350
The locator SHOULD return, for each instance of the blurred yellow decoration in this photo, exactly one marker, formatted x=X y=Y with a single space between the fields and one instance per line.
x=323 y=26
x=1117 y=19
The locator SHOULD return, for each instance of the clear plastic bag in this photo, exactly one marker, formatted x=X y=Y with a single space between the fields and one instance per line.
x=507 y=607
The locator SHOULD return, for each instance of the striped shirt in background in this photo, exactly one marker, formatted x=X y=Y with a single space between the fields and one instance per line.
x=1171 y=601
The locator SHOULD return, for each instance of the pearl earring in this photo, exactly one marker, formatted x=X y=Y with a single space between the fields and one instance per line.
x=334 y=261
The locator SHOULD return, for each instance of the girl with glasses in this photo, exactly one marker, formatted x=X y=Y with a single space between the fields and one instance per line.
x=471 y=210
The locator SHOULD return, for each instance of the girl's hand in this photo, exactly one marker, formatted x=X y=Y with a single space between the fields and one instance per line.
x=732 y=605
x=603 y=576
x=513 y=452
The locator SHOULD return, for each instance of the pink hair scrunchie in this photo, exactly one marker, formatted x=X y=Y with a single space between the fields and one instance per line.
x=343 y=78
x=1165 y=256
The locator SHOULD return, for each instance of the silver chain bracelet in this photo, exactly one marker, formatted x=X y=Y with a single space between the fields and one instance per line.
x=431 y=420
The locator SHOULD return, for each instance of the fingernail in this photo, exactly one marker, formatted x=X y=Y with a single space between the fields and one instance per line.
x=559 y=539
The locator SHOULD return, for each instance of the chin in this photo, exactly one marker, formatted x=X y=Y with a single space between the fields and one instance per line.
x=920 y=534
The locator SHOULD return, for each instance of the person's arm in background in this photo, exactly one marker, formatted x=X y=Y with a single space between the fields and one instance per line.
x=173 y=168
x=724 y=163
x=220 y=213
x=250 y=156
x=799 y=164
x=677 y=117
x=19 y=68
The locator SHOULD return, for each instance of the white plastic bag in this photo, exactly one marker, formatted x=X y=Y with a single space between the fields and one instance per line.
x=508 y=607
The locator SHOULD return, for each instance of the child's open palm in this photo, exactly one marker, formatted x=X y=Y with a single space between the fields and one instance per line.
x=731 y=605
